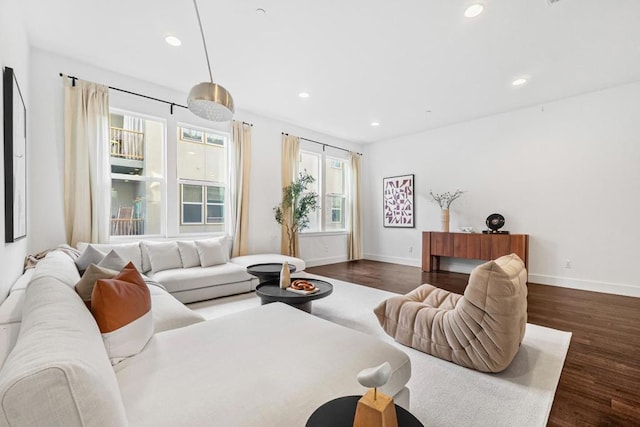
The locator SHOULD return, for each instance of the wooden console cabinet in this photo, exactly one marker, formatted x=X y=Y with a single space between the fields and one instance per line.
x=471 y=246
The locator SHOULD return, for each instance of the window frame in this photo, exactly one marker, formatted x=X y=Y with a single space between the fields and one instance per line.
x=204 y=184
x=140 y=178
x=324 y=206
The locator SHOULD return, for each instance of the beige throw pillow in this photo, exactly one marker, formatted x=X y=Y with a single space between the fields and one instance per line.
x=84 y=287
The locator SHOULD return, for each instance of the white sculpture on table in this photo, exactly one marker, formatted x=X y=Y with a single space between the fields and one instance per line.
x=375 y=409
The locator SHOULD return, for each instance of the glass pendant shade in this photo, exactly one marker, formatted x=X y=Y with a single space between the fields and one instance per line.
x=211 y=101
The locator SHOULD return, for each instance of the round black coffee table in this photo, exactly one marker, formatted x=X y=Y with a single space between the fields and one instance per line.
x=268 y=271
x=340 y=412
x=270 y=291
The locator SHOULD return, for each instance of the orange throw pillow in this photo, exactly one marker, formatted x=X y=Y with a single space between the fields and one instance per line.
x=122 y=309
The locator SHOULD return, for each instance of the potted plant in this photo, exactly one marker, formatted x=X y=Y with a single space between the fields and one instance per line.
x=293 y=212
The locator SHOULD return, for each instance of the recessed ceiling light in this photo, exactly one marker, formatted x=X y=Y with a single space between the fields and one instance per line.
x=261 y=11
x=519 y=81
x=303 y=95
x=474 y=10
x=375 y=124
x=173 y=40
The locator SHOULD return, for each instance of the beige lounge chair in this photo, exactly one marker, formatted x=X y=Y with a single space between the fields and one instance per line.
x=481 y=329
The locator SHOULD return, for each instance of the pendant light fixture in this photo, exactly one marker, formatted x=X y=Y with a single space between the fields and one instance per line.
x=209 y=100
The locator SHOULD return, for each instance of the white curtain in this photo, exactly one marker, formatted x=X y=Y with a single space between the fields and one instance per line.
x=290 y=154
x=86 y=169
x=355 y=223
x=241 y=154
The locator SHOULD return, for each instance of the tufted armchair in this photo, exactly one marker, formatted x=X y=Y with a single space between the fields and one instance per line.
x=481 y=329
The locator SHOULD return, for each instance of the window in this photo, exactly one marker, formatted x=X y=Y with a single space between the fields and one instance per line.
x=203 y=180
x=331 y=183
x=136 y=147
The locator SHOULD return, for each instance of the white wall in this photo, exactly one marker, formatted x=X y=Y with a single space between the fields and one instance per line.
x=47 y=161
x=567 y=173
x=14 y=53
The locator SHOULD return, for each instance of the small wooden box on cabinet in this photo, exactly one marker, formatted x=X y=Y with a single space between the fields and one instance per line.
x=471 y=246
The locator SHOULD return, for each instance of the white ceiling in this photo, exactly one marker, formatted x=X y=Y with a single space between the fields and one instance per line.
x=361 y=60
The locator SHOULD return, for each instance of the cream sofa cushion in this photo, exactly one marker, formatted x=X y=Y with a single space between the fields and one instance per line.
x=59 y=369
x=212 y=251
x=189 y=254
x=256 y=360
x=169 y=313
x=58 y=266
x=481 y=329
x=162 y=255
x=180 y=279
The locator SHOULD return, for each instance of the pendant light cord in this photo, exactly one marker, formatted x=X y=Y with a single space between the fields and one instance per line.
x=204 y=42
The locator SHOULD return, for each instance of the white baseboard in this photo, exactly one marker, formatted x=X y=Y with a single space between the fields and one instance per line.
x=586 y=285
x=324 y=261
x=394 y=260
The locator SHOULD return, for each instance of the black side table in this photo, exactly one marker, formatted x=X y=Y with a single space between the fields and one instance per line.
x=270 y=291
x=340 y=412
x=268 y=271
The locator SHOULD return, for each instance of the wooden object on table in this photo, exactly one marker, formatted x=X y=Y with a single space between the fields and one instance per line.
x=285 y=276
x=471 y=246
x=375 y=410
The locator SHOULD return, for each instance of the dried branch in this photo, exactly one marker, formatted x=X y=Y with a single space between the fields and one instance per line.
x=445 y=199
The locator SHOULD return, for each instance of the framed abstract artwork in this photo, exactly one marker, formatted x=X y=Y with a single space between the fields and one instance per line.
x=15 y=159
x=397 y=199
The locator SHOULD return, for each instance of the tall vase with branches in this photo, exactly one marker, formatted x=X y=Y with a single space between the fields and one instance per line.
x=445 y=200
x=293 y=212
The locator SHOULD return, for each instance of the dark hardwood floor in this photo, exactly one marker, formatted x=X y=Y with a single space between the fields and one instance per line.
x=600 y=382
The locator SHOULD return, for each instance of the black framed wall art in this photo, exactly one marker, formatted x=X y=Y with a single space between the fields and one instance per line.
x=15 y=158
x=398 y=203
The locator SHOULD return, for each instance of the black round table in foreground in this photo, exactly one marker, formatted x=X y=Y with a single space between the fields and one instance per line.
x=270 y=291
x=268 y=271
x=340 y=412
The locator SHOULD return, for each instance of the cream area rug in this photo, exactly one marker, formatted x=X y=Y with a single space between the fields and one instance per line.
x=442 y=393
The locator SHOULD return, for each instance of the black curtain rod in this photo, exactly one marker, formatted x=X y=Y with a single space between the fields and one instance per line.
x=171 y=104
x=324 y=145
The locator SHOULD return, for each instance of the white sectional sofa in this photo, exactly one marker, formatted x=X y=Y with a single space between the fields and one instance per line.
x=268 y=366
x=187 y=279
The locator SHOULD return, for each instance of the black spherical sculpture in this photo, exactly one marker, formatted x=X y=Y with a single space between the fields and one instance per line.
x=495 y=222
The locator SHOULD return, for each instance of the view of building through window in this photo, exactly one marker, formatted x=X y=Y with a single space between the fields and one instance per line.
x=136 y=161
x=203 y=180
x=331 y=183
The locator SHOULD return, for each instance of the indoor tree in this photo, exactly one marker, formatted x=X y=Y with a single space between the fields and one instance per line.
x=297 y=203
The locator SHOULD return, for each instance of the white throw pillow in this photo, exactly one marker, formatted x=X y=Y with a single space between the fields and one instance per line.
x=89 y=256
x=127 y=251
x=189 y=254
x=211 y=251
x=112 y=261
x=163 y=255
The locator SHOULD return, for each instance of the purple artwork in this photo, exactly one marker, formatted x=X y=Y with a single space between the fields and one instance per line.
x=398 y=201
